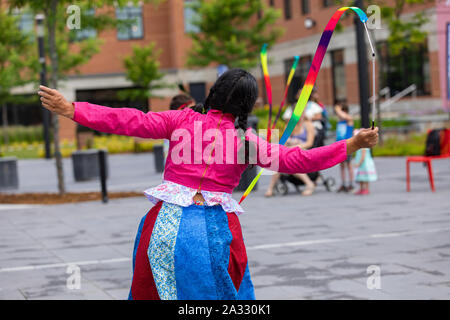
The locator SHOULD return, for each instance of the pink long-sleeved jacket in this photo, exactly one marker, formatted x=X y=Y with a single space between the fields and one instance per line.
x=191 y=136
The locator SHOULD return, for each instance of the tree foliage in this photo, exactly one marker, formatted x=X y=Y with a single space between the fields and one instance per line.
x=142 y=68
x=404 y=33
x=17 y=59
x=231 y=32
x=64 y=57
x=66 y=51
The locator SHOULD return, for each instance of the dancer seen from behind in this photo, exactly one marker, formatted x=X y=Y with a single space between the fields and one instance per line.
x=190 y=244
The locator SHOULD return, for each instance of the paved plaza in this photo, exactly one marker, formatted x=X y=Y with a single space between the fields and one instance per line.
x=319 y=247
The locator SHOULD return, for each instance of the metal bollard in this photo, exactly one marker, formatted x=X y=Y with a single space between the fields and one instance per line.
x=102 y=167
x=158 y=152
x=9 y=178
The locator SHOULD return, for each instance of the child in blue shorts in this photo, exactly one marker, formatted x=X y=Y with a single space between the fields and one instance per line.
x=344 y=130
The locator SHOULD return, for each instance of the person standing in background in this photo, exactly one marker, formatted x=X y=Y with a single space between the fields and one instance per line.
x=344 y=130
x=365 y=170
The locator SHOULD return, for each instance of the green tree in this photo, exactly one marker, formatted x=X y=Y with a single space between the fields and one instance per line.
x=142 y=68
x=66 y=58
x=16 y=63
x=404 y=34
x=231 y=32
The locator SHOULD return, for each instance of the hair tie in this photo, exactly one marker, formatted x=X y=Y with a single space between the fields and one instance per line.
x=184 y=105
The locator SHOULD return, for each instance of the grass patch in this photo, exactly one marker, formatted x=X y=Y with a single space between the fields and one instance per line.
x=114 y=144
x=401 y=146
x=386 y=123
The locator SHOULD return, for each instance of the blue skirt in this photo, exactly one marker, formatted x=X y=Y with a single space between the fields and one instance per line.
x=190 y=253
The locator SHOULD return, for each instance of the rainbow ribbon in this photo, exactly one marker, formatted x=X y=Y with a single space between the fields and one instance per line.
x=310 y=80
x=268 y=86
x=286 y=91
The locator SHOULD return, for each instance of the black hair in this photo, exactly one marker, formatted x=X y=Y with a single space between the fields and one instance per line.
x=180 y=100
x=343 y=104
x=235 y=92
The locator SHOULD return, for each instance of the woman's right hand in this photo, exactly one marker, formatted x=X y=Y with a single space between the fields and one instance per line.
x=54 y=101
x=366 y=138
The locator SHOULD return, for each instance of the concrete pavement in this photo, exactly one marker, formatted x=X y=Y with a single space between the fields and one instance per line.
x=319 y=247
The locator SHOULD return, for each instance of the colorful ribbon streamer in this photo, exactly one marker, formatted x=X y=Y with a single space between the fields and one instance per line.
x=286 y=91
x=310 y=80
x=268 y=86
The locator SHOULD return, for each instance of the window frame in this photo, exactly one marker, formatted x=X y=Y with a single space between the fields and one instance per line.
x=300 y=75
x=287 y=8
x=305 y=7
x=86 y=33
x=127 y=10
x=334 y=65
x=398 y=82
x=328 y=3
x=186 y=9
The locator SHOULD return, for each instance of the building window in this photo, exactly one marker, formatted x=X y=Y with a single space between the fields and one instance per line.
x=189 y=16
x=86 y=32
x=299 y=77
x=25 y=21
x=134 y=30
x=328 y=3
x=272 y=3
x=339 y=79
x=305 y=7
x=399 y=71
x=287 y=9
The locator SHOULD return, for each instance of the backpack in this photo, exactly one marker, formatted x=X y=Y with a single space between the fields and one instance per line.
x=433 y=144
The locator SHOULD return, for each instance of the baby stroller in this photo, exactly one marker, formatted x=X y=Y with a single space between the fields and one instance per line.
x=281 y=186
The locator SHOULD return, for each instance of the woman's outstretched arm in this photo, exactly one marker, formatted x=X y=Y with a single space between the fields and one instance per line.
x=295 y=160
x=122 y=121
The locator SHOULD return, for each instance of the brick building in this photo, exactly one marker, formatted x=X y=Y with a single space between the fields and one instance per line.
x=167 y=24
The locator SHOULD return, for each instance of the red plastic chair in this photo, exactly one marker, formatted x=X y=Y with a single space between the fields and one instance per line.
x=445 y=153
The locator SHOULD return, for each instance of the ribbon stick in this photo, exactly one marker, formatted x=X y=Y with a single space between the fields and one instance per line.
x=374 y=87
x=265 y=68
x=286 y=91
x=311 y=79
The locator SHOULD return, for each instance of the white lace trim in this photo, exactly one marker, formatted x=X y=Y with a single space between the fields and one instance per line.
x=183 y=196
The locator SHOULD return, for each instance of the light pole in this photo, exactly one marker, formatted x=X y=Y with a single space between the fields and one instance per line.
x=41 y=50
x=363 y=74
